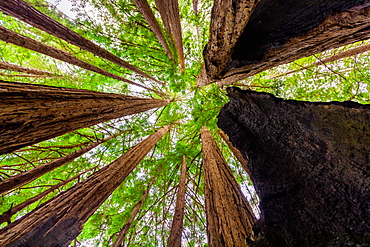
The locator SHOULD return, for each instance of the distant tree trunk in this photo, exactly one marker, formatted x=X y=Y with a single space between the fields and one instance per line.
x=341 y=55
x=30 y=175
x=146 y=11
x=237 y=154
x=229 y=216
x=174 y=240
x=34 y=113
x=60 y=220
x=309 y=163
x=6 y=216
x=248 y=37
x=20 y=40
x=122 y=234
x=30 y=15
x=14 y=67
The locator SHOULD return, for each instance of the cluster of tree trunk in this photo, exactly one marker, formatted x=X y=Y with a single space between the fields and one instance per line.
x=34 y=113
x=58 y=221
x=309 y=163
x=248 y=37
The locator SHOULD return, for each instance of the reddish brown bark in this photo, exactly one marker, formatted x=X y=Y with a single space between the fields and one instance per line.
x=25 y=42
x=14 y=67
x=30 y=15
x=229 y=216
x=60 y=220
x=174 y=240
x=162 y=8
x=30 y=175
x=34 y=113
x=6 y=216
x=146 y=11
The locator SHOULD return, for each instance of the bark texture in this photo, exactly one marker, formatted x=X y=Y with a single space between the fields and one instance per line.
x=279 y=32
x=174 y=240
x=229 y=215
x=34 y=113
x=6 y=216
x=60 y=220
x=14 y=67
x=9 y=36
x=147 y=12
x=310 y=166
x=30 y=15
x=30 y=175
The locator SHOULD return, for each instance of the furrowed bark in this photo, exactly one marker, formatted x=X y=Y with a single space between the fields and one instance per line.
x=122 y=234
x=277 y=32
x=60 y=220
x=238 y=155
x=34 y=113
x=30 y=175
x=14 y=67
x=344 y=54
x=146 y=11
x=174 y=240
x=229 y=216
x=309 y=164
x=20 y=40
x=6 y=216
x=162 y=8
x=30 y=15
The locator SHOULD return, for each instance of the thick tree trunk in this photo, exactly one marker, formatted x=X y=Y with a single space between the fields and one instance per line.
x=147 y=12
x=28 y=43
x=34 y=113
x=310 y=166
x=253 y=37
x=162 y=8
x=174 y=240
x=30 y=15
x=60 y=220
x=135 y=211
x=237 y=154
x=6 y=216
x=14 y=67
x=229 y=216
x=30 y=175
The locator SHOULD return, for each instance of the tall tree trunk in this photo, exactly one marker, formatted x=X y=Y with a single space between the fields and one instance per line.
x=30 y=175
x=162 y=8
x=238 y=155
x=229 y=216
x=60 y=220
x=14 y=67
x=174 y=240
x=122 y=234
x=341 y=55
x=146 y=11
x=174 y=16
x=34 y=113
x=30 y=15
x=6 y=216
x=28 y=43
x=309 y=163
x=248 y=37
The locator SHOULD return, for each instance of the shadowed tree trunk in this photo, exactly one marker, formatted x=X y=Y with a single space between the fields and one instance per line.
x=34 y=113
x=20 y=40
x=135 y=211
x=248 y=37
x=309 y=163
x=30 y=15
x=147 y=12
x=30 y=175
x=60 y=220
x=162 y=8
x=174 y=240
x=237 y=154
x=14 y=67
x=229 y=216
x=6 y=216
